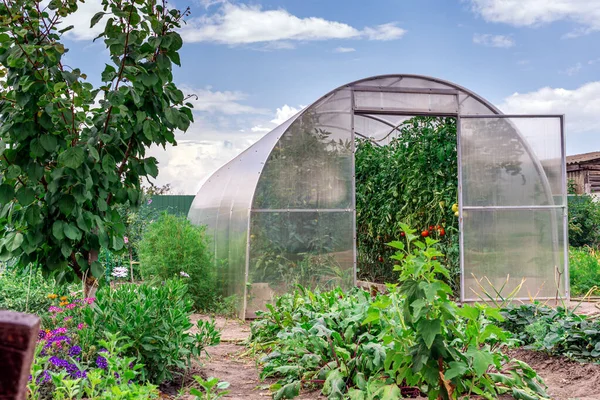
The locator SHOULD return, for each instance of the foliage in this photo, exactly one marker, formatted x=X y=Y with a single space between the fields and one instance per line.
x=154 y=321
x=584 y=221
x=555 y=330
x=27 y=290
x=409 y=341
x=213 y=388
x=72 y=153
x=172 y=248
x=584 y=269
x=412 y=179
x=66 y=375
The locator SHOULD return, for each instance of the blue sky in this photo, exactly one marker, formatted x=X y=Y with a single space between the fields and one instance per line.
x=255 y=63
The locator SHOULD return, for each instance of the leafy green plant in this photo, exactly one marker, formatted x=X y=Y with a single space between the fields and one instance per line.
x=584 y=221
x=410 y=341
x=173 y=248
x=213 y=388
x=27 y=290
x=554 y=330
x=114 y=378
x=72 y=152
x=413 y=178
x=584 y=269
x=154 y=322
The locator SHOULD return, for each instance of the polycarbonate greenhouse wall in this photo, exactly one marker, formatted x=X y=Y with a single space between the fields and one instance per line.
x=283 y=212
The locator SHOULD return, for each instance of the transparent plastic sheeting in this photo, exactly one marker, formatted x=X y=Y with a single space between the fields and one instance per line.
x=511 y=161
x=312 y=249
x=282 y=212
x=513 y=206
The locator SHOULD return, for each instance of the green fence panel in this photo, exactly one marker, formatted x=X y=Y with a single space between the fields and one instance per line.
x=173 y=204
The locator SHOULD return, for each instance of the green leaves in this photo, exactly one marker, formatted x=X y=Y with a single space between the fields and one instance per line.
x=428 y=330
x=73 y=154
x=7 y=193
x=72 y=157
x=96 y=18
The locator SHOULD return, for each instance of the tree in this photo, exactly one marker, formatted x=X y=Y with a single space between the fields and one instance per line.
x=71 y=153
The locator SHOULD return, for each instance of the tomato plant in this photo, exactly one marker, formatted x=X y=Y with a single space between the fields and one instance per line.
x=413 y=179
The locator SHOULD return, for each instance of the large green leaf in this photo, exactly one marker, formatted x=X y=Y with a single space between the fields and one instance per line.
x=7 y=193
x=25 y=196
x=66 y=204
x=71 y=231
x=73 y=157
x=428 y=329
x=48 y=142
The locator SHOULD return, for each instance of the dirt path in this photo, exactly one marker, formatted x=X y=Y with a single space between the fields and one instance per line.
x=566 y=380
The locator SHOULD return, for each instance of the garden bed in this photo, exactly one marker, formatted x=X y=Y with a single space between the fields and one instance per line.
x=230 y=362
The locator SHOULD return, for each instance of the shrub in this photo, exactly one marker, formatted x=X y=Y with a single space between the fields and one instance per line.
x=26 y=291
x=584 y=221
x=154 y=322
x=174 y=248
x=584 y=269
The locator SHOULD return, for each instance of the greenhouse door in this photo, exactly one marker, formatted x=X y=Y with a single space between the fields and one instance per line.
x=512 y=207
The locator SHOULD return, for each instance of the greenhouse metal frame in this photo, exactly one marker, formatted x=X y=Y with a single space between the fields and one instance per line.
x=295 y=190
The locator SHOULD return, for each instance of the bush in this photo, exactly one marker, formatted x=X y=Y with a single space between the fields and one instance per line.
x=584 y=269
x=584 y=221
x=174 y=248
x=26 y=291
x=154 y=322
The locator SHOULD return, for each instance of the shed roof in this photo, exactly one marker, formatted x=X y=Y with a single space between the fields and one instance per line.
x=585 y=157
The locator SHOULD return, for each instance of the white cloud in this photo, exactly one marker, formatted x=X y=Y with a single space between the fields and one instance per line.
x=245 y=24
x=523 y=62
x=81 y=21
x=260 y=128
x=226 y=102
x=489 y=40
x=573 y=70
x=581 y=106
x=586 y=13
x=594 y=61
x=284 y=113
x=344 y=50
x=384 y=32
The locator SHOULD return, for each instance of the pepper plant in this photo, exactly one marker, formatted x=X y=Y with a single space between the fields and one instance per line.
x=72 y=152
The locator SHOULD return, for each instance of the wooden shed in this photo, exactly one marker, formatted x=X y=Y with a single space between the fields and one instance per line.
x=584 y=170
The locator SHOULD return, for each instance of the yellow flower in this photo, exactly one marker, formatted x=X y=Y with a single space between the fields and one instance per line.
x=52 y=296
x=64 y=298
x=63 y=303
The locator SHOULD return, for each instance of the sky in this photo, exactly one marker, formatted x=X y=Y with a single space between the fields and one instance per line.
x=254 y=64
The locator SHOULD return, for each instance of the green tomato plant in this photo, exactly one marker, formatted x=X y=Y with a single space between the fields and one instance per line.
x=412 y=179
x=72 y=152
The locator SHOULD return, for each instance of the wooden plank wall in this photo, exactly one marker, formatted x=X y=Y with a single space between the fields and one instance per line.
x=585 y=176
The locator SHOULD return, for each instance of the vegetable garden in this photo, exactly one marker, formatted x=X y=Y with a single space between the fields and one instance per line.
x=117 y=284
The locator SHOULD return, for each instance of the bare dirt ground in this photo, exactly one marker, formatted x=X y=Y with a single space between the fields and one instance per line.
x=229 y=361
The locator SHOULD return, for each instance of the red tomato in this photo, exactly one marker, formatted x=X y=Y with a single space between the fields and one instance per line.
x=402 y=234
x=434 y=258
x=431 y=227
x=442 y=232
x=380 y=259
x=425 y=233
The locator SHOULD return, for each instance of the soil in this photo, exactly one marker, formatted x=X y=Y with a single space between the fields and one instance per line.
x=566 y=379
x=230 y=362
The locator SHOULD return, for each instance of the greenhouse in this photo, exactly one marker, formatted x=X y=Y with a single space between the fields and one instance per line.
x=284 y=212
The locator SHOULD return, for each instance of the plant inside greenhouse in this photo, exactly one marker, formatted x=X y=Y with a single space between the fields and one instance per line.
x=398 y=237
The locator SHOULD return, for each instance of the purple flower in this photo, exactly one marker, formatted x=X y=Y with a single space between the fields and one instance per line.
x=101 y=362
x=59 y=362
x=45 y=377
x=149 y=201
x=59 y=331
x=74 y=351
x=41 y=335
